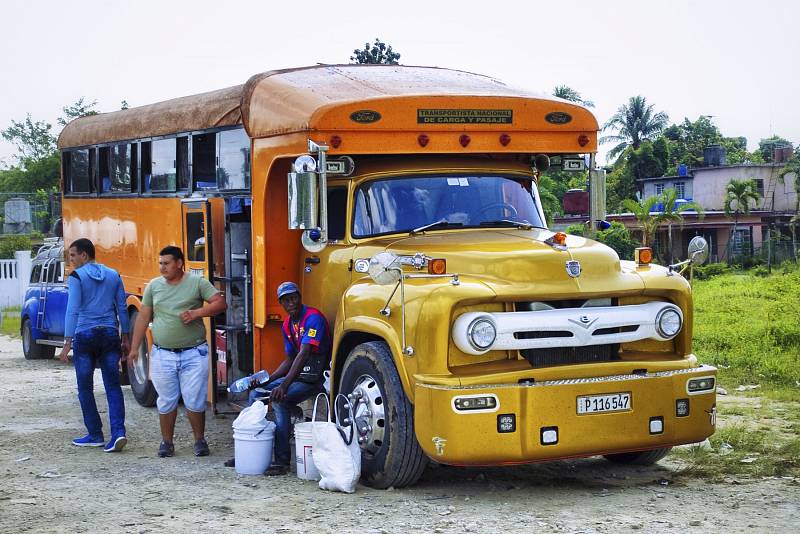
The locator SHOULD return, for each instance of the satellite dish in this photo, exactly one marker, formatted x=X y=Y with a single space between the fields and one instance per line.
x=384 y=268
x=698 y=250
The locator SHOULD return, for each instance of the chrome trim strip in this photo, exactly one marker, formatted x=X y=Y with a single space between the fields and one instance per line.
x=572 y=381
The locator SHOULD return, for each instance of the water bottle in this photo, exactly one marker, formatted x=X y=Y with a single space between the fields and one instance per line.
x=243 y=384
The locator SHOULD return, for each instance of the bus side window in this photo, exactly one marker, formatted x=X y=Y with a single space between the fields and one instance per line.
x=102 y=166
x=337 y=212
x=36 y=273
x=163 y=155
x=78 y=171
x=147 y=167
x=183 y=162
x=233 y=171
x=204 y=161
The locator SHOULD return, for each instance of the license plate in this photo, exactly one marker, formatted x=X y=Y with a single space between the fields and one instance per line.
x=610 y=402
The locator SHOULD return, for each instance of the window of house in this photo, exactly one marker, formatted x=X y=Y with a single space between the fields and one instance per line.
x=204 y=161
x=78 y=171
x=759 y=186
x=659 y=189
x=742 y=241
x=680 y=189
x=120 y=177
x=234 y=160
x=162 y=162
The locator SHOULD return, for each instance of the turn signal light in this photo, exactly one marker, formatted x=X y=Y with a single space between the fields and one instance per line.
x=336 y=141
x=505 y=139
x=583 y=139
x=643 y=255
x=423 y=139
x=437 y=266
x=464 y=140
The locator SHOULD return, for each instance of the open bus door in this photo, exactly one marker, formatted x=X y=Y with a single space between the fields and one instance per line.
x=199 y=260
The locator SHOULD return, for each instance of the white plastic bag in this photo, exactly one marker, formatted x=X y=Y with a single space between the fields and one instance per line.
x=252 y=418
x=336 y=451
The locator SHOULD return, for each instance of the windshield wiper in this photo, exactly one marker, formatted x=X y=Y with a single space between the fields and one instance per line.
x=522 y=225
x=441 y=222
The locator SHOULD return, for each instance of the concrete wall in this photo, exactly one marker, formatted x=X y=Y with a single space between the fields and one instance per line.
x=710 y=183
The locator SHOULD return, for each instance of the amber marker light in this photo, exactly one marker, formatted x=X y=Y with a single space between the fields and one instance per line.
x=583 y=139
x=336 y=141
x=505 y=139
x=437 y=266
x=643 y=255
x=560 y=238
x=464 y=140
x=423 y=139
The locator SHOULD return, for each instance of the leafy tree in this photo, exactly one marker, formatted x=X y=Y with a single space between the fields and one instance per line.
x=77 y=110
x=32 y=174
x=738 y=194
x=648 y=220
x=379 y=53
x=124 y=104
x=568 y=93
x=767 y=146
x=548 y=194
x=673 y=213
x=32 y=139
x=634 y=122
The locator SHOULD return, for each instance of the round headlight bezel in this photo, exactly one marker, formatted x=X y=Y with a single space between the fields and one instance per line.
x=472 y=329
x=666 y=313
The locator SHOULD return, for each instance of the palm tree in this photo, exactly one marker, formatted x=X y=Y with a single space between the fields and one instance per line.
x=648 y=222
x=568 y=93
x=634 y=122
x=673 y=212
x=739 y=193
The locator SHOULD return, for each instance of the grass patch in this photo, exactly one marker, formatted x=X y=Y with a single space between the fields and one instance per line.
x=750 y=442
x=10 y=322
x=749 y=327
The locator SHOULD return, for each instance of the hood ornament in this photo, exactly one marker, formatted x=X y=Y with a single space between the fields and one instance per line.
x=573 y=268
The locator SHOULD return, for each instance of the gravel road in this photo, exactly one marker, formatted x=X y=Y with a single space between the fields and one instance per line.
x=51 y=486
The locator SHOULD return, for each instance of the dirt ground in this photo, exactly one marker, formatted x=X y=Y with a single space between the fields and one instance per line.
x=48 y=485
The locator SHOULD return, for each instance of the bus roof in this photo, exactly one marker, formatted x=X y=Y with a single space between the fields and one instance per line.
x=294 y=100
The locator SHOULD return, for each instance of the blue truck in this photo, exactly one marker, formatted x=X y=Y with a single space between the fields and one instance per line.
x=42 y=316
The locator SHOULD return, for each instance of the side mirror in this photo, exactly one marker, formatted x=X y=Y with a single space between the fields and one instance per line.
x=384 y=268
x=698 y=250
x=303 y=200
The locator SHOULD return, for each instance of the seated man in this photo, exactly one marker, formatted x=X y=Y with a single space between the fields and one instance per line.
x=307 y=342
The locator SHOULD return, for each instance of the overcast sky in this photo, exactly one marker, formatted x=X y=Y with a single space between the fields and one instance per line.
x=736 y=60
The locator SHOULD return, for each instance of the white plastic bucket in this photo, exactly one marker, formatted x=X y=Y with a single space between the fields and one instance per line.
x=253 y=450
x=303 y=452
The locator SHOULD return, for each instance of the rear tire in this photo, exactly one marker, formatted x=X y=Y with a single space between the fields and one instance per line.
x=639 y=457
x=139 y=373
x=391 y=456
x=31 y=349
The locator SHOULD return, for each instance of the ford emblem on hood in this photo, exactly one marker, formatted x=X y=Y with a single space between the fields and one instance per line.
x=574 y=268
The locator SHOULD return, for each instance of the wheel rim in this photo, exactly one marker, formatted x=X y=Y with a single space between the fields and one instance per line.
x=369 y=411
x=140 y=366
x=26 y=338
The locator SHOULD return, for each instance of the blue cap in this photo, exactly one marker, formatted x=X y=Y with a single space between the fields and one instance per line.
x=287 y=288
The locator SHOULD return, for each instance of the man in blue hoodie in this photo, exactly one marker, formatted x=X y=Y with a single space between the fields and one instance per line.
x=95 y=313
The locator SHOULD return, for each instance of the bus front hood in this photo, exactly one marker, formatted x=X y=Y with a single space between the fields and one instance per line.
x=515 y=263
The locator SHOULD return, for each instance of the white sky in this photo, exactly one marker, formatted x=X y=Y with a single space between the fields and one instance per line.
x=736 y=60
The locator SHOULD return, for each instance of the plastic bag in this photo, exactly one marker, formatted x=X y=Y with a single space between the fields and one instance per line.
x=252 y=418
x=337 y=454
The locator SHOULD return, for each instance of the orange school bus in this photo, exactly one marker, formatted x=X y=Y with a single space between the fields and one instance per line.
x=463 y=329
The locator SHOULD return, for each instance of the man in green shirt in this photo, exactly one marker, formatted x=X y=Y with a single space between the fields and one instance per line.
x=179 y=358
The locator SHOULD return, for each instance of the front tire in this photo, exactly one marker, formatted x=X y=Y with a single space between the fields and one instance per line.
x=139 y=373
x=31 y=349
x=391 y=456
x=639 y=457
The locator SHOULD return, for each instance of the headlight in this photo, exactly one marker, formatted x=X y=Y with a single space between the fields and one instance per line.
x=668 y=323
x=481 y=333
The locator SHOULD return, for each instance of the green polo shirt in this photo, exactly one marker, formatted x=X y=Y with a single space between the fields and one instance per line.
x=169 y=301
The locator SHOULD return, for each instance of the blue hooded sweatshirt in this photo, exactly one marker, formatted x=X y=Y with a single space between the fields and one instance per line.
x=96 y=298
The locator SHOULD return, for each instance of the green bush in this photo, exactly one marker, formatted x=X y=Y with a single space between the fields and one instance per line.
x=704 y=272
x=576 y=229
x=12 y=243
x=619 y=238
x=761 y=271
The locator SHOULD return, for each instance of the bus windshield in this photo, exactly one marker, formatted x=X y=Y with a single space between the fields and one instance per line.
x=412 y=202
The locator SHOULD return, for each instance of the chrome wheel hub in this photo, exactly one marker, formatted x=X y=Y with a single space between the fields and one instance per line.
x=369 y=411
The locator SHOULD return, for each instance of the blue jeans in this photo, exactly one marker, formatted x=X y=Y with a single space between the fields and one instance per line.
x=296 y=393
x=99 y=347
